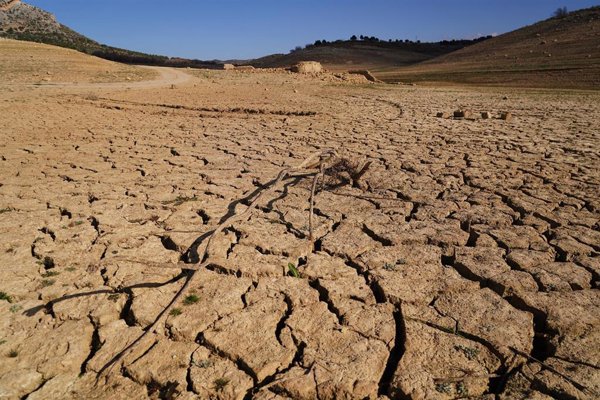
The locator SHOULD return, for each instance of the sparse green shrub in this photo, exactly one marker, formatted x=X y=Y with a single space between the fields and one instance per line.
x=15 y=308
x=5 y=296
x=48 y=282
x=191 y=299
x=220 y=384
x=470 y=352
x=389 y=266
x=443 y=388
x=175 y=312
x=204 y=364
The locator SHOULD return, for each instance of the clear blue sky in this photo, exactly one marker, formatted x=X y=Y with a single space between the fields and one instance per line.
x=228 y=29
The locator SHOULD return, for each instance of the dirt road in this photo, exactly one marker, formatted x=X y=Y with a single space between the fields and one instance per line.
x=167 y=77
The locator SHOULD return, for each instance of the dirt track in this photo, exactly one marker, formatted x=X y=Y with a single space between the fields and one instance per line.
x=474 y=249
x=166 y=77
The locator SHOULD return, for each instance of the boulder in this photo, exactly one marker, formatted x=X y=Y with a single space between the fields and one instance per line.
x=307 y=67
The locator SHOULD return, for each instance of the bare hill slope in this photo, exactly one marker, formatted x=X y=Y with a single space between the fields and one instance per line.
x=27 y=62
x=557 y=52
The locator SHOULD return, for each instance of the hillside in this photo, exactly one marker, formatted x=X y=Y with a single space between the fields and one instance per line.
x=33 y=63
x=363 y=54
x=22 y=21
x=557 y=52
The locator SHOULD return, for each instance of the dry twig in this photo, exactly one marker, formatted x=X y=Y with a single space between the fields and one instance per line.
x=578 y=385
x=315 y=160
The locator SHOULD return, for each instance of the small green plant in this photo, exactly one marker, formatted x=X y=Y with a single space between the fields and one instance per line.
x=5 y=296
x=50 y=274
x=175 y=312
x=70 y=269
x=191 y=299
x=293 y=270
x=113 y=297
x=470 y=352
x=220 y=384
x=48 y=282
x=5 y=210
x=15 y=308
x=204 y=364
x=389 y=266
x=443 y=388
x=461 y=389
x=2 y=342
x=13 y=353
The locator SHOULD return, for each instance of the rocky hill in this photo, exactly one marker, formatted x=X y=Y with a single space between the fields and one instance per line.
x=22 y=21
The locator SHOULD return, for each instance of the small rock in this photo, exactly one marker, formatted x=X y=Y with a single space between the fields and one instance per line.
x=444 y=115
x=486 y=115
x=506 y=116
x=462 y=114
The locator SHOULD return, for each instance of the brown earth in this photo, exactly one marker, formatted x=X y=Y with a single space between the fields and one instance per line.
x=473 y=248
x=36 y=63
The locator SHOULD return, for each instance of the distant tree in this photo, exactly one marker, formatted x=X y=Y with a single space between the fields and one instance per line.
x=318 y=43
x=362 y=37
x=353 y=38
x=560 y=12
x=295 y=49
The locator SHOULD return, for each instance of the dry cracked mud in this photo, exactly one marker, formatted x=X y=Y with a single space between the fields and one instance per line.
x=468 y=265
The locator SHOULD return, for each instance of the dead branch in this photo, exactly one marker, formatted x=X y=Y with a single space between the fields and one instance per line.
x=312 y=202
x=313 y=161
x=578 y=385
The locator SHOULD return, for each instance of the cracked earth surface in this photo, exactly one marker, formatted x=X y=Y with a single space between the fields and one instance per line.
x=473 y=251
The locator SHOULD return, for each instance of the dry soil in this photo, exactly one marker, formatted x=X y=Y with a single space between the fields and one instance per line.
x=472 y=252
